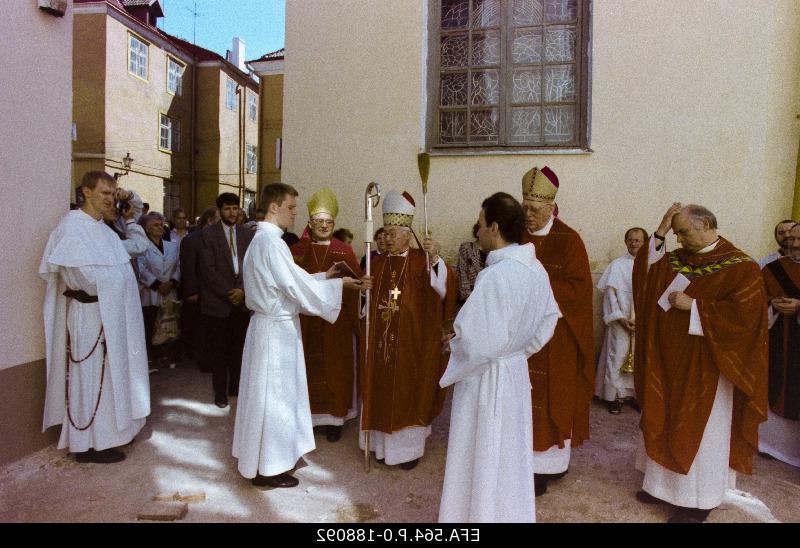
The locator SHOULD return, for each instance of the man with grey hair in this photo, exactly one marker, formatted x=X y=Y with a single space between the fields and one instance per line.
x=409 y=308
x=701 y=341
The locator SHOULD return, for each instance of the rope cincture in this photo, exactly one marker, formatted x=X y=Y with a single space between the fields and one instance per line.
x=71 y=359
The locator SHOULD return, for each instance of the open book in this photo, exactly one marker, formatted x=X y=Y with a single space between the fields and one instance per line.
x=344 y=271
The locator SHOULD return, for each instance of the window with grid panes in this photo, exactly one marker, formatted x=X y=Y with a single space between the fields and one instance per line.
x=252 y=161
x=510 y=73
x=230 y=95
x=137 y=56
x=252 y=104
x=174 y=77
x=169 y=134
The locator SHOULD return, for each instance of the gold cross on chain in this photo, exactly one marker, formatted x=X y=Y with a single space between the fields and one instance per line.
x=395 y=293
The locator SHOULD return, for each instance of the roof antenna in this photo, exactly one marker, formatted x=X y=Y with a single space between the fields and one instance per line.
x=195 y=15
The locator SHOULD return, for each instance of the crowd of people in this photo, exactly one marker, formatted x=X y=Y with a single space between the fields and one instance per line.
x=700 y=339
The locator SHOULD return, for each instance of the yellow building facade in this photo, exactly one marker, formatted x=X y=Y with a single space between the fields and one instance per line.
x=165 y=103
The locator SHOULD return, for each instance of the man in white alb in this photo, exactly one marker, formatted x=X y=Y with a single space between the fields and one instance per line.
x=510 y=314
x=612 y=384
x=273 y=416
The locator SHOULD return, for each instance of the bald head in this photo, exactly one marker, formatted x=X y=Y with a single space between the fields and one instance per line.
x=695 y=227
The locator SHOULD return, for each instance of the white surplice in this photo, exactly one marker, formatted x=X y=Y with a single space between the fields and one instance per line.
x=273 y=415
x=85 y=254
x=616 y=283
x=510 y=315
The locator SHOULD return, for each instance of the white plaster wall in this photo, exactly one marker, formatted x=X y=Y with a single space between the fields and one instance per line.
x=35 y=124
x=691 y=101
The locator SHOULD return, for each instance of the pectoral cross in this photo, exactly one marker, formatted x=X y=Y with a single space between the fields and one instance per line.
x=395 y=293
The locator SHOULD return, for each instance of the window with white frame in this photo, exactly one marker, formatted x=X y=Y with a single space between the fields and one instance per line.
x=169 y=139
x=252 y=106
x=509 y=73
x=174 y=77
x=230 y=95
x=252 y=160
x=137 y=56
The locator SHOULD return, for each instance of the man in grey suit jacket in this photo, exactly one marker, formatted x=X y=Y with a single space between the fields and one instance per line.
x=222 y=297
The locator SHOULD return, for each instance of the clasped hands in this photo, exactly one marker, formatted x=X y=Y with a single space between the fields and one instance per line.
x=785 y=305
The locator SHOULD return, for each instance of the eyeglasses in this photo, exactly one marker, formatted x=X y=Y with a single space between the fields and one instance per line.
x=322 y=222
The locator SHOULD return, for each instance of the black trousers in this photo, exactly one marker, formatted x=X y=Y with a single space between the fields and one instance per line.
x=225 y=339
x=191 y=333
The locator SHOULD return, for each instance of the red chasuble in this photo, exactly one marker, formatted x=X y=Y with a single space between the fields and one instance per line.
x=676 y=374
x=328 y=348
x=401 y=381
x=562 y=373
x=782 y=279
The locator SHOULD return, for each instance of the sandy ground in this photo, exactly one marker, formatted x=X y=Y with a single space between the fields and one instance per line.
x=186 y=447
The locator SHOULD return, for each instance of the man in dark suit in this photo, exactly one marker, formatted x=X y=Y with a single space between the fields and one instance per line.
x=222 y=296
x=192 y=336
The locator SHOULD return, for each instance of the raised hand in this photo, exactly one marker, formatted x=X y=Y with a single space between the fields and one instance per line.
x=666 y=222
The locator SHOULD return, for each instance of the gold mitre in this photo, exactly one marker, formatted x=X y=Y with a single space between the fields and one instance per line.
x=323 y=201
x=398 y=209
x=540 y=185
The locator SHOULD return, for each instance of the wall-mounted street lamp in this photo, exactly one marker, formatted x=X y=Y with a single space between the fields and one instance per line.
x=127 y=162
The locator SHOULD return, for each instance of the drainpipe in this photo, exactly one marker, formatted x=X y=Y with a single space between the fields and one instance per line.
x=193 y=143
x=241 y=91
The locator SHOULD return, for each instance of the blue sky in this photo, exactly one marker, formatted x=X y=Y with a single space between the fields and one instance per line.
x=260 y=23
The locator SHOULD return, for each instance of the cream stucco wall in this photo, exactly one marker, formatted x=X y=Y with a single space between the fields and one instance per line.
x=691 y=101
x=35 y=121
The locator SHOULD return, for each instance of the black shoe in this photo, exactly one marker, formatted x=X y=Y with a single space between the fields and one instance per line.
x=646 y=498
x=333 y=434
x=689 y=515
x=551 y=477
x=766 y=456
x=539 y=485
x=281 y=480
x=381 y=461
x=615 y=407
x=633 y=403
x=221 y=402
x=410 y=465
x=106 y=456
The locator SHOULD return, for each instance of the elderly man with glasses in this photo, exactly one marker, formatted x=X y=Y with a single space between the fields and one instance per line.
x=329 y=347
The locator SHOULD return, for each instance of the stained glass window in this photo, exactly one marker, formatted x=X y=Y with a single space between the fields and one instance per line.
x=510 y=73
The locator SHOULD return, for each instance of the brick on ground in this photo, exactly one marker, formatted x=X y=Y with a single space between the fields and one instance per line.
x=163 y=511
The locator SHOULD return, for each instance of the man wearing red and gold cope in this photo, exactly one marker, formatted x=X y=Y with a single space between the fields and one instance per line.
x=329 y=347
x=562 y=373
x=408 y=307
